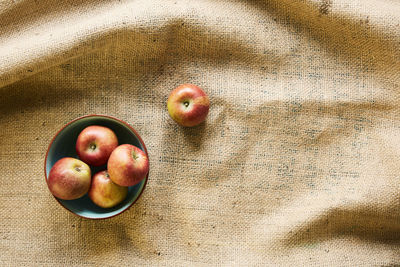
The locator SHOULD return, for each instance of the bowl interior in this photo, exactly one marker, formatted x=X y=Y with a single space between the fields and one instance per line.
x=63 y=145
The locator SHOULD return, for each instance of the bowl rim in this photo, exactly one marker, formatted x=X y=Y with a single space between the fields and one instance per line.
x=107 y=117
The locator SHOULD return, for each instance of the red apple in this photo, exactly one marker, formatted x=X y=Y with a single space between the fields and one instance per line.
x=69 y=178
x=127 y=165
x=104 y=192
x=188 y=105
x=95 y=144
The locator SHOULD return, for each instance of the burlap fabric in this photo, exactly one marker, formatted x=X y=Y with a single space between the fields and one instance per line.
x=298 y=162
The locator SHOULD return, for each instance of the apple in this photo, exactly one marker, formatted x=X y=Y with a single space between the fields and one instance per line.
x=69 y=178
x=95 y=144
x=127 y=165
x=104 y=192
x=188 y=105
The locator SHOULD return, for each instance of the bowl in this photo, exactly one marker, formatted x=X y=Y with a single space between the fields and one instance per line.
x=63 y=145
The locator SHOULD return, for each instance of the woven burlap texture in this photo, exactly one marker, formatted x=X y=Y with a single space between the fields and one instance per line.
x=297 y=164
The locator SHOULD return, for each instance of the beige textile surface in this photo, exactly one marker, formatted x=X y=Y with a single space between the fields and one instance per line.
x=298 y=163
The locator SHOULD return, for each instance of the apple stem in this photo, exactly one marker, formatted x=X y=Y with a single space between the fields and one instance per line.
x=134 y=155
x=77 y=169
x=92 y=146
x=186 y=103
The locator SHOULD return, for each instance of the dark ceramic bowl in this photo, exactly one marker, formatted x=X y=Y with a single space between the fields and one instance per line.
x=63 y=145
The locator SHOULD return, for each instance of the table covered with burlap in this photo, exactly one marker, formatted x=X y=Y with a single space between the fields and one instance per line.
x=297 y=164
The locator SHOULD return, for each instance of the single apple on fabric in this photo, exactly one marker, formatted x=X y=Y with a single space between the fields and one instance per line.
x=127 y=165
x=188 y=105
x=95 y=144
x=69 y=178
x=104 y=192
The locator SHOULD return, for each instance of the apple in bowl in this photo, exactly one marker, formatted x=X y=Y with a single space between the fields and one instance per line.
x=69 y=178
x=104 y=192
x=188 y=105
x=95 y=144
x=128 y=165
